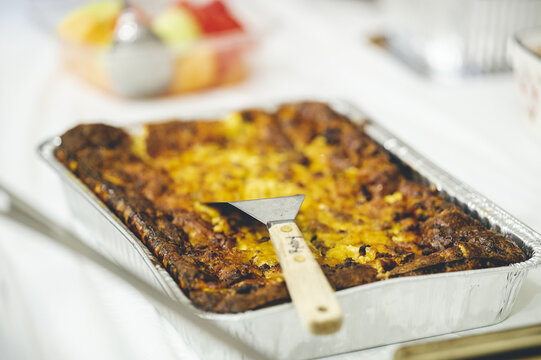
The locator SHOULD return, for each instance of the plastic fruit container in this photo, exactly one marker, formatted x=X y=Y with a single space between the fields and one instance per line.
x=203 y=58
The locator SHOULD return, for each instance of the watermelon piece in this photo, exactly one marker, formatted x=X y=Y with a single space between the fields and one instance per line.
x=213 y=17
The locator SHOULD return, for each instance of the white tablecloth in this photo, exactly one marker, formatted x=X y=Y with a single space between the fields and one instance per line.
x=54 y=306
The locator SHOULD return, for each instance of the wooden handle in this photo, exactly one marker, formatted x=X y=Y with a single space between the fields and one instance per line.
x=519 y=343
x=310 y=291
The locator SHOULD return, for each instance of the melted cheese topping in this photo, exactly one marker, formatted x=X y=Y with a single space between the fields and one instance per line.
x=336 y=224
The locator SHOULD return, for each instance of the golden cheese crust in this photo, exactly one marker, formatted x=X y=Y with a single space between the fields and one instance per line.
x=362 y=218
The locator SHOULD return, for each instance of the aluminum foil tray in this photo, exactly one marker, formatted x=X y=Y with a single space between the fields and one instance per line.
x=375 y=314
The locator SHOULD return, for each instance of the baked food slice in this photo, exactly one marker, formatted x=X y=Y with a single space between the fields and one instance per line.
x=363 y=218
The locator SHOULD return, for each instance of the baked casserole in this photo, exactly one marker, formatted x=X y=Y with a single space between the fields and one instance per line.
x=364 y=217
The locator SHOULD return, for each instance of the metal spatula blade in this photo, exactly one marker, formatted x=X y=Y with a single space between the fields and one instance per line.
x=311 y=293
x=269 y=210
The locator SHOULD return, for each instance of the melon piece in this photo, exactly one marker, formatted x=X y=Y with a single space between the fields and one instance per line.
x=196 y=69
x=91 y=24
x=176 y=27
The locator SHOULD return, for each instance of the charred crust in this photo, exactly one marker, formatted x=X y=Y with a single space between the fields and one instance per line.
x=362 y=250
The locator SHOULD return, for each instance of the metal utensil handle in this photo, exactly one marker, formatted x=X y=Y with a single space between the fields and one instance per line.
x=28 y=216
x=310 y=291
x=517 y=343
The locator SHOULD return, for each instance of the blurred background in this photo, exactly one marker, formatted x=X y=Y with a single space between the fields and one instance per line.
x=459 y=80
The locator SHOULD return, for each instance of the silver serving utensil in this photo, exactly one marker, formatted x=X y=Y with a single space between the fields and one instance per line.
x=310 y=291
x=16 y=209
x=139 y=63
